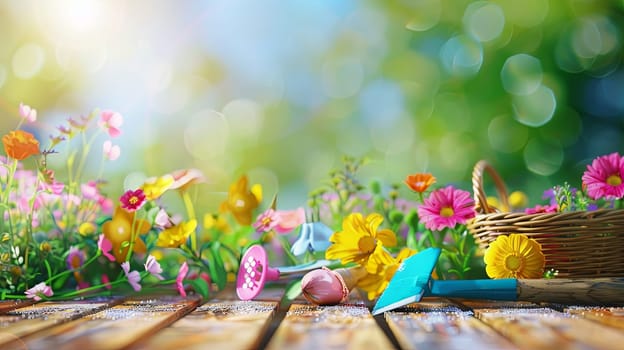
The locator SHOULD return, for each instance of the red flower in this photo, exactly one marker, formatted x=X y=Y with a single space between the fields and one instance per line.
x=132 y=200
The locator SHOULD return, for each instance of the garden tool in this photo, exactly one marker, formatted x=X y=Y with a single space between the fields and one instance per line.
x=412 y=281
x=254 y=271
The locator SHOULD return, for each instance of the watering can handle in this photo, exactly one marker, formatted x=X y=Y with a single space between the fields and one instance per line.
x=586 y=291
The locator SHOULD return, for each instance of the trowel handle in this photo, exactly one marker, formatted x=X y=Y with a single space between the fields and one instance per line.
x=587 y=291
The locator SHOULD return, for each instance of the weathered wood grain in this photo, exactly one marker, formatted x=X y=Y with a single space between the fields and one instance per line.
x=21 y=322
x=113 y=328
x=588 y=291
x=8 y=305
x=610 y=316
x=345 y=326
x=218 y=325
x=439 y=324
x=544 y=328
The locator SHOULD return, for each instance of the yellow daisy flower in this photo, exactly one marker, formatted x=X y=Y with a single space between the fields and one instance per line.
x=514 y=256
x=175 y=236
x=381 y=268
x=359 y=239
x=154 y=187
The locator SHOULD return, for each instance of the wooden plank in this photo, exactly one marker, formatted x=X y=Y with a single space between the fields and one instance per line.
x=24 y=321
x=231 y=324
x=610 y=316
x=545 y=328
x=344 y=326
x=440 y=324
x=114 y=328
x=8 y=305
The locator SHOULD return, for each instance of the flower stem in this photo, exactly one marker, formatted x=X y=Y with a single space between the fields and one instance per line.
x=188 y=203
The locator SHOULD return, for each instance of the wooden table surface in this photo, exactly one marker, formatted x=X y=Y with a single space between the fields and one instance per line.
x=272 y=322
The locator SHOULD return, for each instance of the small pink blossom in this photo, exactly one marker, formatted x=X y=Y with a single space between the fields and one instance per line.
x=288 y=220
x=38 y=291
x=111 y=122
x=446 y=207
x=164 y=221
x=75 y=258
x=153 y=267
x=106 y=246
x=106 y=282
x=132 y=200
x=90 y=190
x=133 y=276
x=266 y=221
x=111 y=152
x=186 y=177
x=28 y=113
x=538 y=209
x=180 y=279
x=604 y=178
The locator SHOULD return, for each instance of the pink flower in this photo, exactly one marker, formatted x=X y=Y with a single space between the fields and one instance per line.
x=38 y=291
x=266 y=221
x=90 y=190
x=153 y=267
x=186 y=177
x=603 y=178
x=28 y=113
x=446 y=207
x=133 y=276
x=106 y=282
x=111 y=121
x=75 y=258
x=105 y=246
x=111 y=152
x=288 y=220
x=552 y=208
x=132 y=200
x=180 y=278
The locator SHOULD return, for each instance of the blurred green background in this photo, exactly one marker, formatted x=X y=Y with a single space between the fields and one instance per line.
x=281 y=90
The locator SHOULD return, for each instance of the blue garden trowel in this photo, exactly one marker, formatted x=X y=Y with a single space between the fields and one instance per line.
x=412 y=281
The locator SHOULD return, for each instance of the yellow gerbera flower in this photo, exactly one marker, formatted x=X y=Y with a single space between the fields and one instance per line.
x=381 y=267
x=514 y=256
x=175 y=236
x=241 y=201
x=359 y=239
x=154 y=187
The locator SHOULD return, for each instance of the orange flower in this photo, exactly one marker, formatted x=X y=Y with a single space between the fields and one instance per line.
x=119 y=230
x=241 y=201
x=419 y=182
x=20 y=144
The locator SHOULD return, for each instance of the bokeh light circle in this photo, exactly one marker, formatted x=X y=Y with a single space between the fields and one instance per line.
x=507 y=135
x=462 y=56
x=342 y=77
x=206 y=135
x=28 y=61
x=521 y=74
x=245 y=118
x=543 y=158
x=535 y=109
x=484 y=20
x=425 y=14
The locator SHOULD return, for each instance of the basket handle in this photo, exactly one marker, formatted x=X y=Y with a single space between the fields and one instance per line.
x=480 y=198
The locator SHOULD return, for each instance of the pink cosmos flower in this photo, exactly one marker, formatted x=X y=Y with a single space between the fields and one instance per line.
x=603 y=178
x=132 y=200
x=111 y=152
x=180 y=278
x=28 y=113
x=446 y=207
x=133 y=276
x=38 y=291
x=106 y=246
x=538 y=209
x=153 y=267
x=111 y=121
x=266 y=221
x=288 y=220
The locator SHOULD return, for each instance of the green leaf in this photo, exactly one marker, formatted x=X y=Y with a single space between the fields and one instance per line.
x=293 y=289
x=216 y=266
x=201 y=286
x=124 y=244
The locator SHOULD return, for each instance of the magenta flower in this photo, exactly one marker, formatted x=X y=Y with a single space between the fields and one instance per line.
x=603 y=178
x=38 y=291
x=266 y=221
x=28 y=113
x=111 y=152
x=446 y=207
x=106 y=282
x=133 y=276
x=153 y=267
x=111 y=122
x=132 y=200
x=288 y=220
x=106 y=246
x=180 y=278
x=538 y=209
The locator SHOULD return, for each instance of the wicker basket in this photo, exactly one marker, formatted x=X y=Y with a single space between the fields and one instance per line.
x=576 y=244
